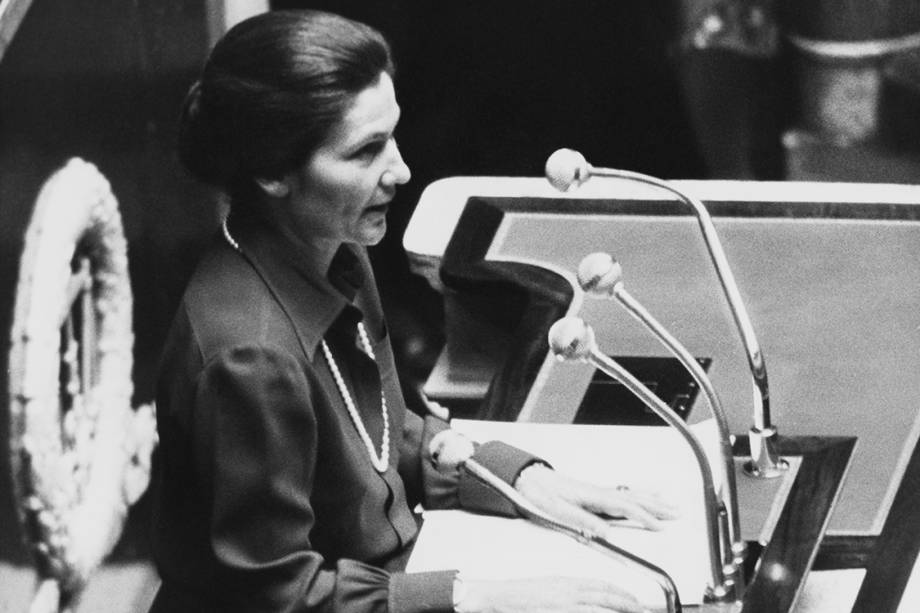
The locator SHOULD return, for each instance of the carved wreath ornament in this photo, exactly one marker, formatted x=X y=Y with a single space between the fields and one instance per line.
x=80 y=454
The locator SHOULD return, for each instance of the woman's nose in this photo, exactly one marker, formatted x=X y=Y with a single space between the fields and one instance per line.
x=398 y=172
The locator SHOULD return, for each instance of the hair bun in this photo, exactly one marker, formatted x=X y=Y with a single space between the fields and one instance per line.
x=202 y=147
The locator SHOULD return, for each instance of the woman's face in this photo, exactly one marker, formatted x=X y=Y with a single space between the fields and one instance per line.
x=341 y=193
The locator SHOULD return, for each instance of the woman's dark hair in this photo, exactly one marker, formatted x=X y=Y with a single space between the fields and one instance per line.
x=271 y=91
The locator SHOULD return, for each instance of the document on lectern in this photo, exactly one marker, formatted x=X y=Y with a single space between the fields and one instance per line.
x=650 y=458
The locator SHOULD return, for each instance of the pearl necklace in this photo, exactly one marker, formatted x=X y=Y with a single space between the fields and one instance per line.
x=381 y=462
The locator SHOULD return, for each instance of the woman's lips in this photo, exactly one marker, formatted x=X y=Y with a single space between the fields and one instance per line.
x=377 y=208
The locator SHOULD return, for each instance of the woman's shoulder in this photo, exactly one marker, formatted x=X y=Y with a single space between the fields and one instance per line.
x=226 y=304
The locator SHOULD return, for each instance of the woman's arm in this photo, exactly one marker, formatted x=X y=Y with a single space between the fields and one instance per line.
x=255 y=435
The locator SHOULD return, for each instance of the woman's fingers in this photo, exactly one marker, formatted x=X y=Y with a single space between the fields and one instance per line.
x=646 y=508
x=583 y=503
x=652 y=502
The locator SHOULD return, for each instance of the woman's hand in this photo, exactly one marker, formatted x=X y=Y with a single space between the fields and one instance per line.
x=584 y=504
x=545 y=595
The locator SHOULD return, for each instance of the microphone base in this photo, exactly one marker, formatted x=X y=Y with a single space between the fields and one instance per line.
x=765 y=462
x=729 y=592
x=723 y=598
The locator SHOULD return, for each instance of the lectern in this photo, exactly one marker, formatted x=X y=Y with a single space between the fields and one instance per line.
x=829 y=274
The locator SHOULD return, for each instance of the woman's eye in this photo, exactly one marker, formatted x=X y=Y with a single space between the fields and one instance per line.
x=370 y=150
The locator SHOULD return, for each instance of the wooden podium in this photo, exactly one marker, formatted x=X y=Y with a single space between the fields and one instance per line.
x=829 y=274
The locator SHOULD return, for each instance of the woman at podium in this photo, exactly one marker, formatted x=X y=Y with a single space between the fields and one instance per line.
x=289 y=464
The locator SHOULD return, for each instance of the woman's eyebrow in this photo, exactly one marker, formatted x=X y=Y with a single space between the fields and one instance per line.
x=378 y=133
x=372 y=136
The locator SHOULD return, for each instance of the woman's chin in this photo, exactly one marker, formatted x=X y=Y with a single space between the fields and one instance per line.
x=373 y=230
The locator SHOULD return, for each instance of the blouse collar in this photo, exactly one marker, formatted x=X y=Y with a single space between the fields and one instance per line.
x=313 y=298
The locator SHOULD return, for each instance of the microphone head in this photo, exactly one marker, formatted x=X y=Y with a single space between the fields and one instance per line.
x=449 y=450
x=571 y=338
x=567 y=169
x=599 y=274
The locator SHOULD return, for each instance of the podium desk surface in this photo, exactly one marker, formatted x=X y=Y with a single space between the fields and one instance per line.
x=779 y=556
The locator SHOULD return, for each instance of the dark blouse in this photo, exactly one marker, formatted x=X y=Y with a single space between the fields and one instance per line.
x=265 y=497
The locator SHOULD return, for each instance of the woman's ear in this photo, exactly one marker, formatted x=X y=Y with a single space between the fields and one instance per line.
x=276 y=188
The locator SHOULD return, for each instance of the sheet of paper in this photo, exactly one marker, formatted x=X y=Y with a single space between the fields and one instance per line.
x=643 y=457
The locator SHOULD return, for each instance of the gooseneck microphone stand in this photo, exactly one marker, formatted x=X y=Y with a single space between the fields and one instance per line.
x=600 y=275
x=571 y=339
x=567 y=169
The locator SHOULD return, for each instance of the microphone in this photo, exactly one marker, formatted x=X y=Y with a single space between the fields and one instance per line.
x=570 y=339
x=600 y=275
x=451 y=451
x=567 y=169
